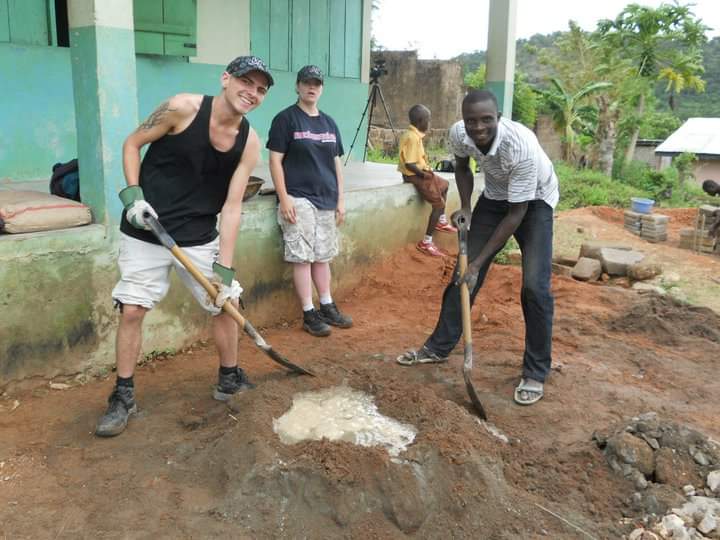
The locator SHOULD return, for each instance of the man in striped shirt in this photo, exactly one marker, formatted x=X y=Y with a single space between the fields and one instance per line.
x=521 y=191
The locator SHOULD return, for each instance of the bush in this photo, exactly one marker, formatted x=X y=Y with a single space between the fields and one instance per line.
x=378 y=156
x=586 y=187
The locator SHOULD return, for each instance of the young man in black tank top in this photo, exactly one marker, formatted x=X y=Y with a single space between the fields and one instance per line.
x=201 y=154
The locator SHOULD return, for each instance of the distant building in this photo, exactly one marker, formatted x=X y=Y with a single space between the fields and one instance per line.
x=700 y=136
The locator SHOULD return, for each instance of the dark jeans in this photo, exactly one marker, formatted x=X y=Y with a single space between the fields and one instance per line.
x=534 y=235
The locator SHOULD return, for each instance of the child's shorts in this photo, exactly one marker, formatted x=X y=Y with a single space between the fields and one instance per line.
x=145 y=272
x=431 y=190
x=313 y=237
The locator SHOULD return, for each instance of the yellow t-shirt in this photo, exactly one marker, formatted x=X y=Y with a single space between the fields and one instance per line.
x=412 y=151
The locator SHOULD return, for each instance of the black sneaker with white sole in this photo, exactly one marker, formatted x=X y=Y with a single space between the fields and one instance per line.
x=314 y=324
x=121 y=405
x=332 y=315
x=230 y=384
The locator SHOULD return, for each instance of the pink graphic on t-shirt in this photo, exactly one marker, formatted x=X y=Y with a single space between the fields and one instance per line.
x=322 y=137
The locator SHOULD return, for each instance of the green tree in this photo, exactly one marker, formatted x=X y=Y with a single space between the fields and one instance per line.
x=571 y=112
x=525 y=100
x=667 y=39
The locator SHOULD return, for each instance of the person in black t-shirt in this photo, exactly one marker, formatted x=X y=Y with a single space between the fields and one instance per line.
x=202 y=151
x=305 y=149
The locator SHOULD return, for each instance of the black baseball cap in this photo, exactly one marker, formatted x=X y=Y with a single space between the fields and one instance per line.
x=245 y=64
x=310 y=73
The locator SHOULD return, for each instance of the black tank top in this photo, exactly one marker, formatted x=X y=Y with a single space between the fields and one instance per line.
x=185 y=179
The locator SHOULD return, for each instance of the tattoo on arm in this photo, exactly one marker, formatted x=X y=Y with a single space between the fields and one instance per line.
x=157 y=116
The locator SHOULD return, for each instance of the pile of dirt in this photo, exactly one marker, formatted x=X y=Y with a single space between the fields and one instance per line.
x=668 y=321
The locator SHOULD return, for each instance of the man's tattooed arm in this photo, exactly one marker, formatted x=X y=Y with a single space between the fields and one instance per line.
x=157 y=116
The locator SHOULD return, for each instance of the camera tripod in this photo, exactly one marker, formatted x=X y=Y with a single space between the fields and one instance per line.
x=371 y=101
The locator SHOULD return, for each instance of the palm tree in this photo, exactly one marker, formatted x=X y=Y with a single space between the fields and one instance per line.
x=666 y=40
x=571 y=112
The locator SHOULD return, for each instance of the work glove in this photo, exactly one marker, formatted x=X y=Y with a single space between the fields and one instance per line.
x=135 y=206
x=227 y=287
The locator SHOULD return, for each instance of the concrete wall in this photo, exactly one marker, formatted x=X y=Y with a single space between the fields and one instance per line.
x=56 y=315
x=437 y=84
x=548 y=137
x=707 y=169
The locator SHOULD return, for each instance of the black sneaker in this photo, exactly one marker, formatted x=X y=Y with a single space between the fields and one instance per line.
x=331 y=315
x=230 y=384
x=314 y=324
x=121 y=404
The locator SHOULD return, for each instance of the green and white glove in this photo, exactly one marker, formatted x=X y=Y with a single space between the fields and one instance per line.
x=135 y=206
x=227 y=287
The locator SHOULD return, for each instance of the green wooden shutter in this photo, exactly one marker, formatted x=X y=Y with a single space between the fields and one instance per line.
x=27 y=22
x=337 y=38
x=166 y=27
x=4 y=21
x=319 y=54
x=260 y=29
x=300 y=36
x=280 y=35
x=353 y=38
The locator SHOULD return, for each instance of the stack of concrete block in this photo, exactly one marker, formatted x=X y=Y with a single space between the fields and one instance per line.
x=698 y=238
x=633 y=221
x=651 y=227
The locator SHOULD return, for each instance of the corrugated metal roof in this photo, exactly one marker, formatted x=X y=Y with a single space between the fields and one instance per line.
x=696 y=135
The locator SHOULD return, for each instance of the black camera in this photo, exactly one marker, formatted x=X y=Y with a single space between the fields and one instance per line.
x=378 y=70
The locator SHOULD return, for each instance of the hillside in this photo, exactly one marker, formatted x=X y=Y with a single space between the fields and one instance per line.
x=689 y=103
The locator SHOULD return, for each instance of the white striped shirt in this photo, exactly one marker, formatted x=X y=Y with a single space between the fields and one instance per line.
x=516 y=168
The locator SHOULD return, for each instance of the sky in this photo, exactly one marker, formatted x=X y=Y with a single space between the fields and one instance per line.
x=443 y=29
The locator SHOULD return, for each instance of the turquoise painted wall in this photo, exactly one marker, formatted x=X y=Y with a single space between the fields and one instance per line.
x=38 y=114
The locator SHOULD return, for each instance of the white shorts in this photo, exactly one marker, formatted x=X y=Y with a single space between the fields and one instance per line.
x=145 y=272
x=313 y=237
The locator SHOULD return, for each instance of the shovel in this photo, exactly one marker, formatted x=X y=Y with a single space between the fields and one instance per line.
x=462 y=225
x=167 y=241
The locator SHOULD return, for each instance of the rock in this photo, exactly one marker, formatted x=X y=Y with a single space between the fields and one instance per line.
x=59 y=386
x=632 y=451
x=675 y=526
x=713 y=481
x=636 y=534
x=616 y=261
x=643 y=271
x=651 y=441
x=689 y=490
x=707 y=524
x=566 y=261
x=675 y=469
x=639 y=480
x=678 y=294
x=591 y=249
x=192 y=421
x=699 y=457
x=587 y=269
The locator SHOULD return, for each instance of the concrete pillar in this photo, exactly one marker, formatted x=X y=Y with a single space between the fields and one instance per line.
x=102 y=50
x=500 y=72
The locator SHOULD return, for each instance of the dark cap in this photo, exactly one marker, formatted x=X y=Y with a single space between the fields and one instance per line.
x=245 y=64
x=309 y=73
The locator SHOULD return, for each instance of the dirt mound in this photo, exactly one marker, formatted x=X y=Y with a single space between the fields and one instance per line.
x=324 y=489
x=668 y=321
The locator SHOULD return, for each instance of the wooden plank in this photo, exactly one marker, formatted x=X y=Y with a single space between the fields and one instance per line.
x=4 y=22
x=260 y=29
x=182 y=16
x=148 y=12
x=52 y=22
x=28 y=22
x=280 y=34
x=319 y=53
x=300 y=34
x=337 y=38
x=353 y=38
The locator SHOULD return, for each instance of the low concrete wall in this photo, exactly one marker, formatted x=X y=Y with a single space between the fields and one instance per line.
x=56 y=315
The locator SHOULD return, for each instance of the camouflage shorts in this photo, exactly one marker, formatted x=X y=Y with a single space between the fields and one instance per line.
x=313 y=237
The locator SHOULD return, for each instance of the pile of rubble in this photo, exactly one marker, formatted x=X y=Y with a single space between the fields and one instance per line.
x=651 y=227
x=676 y=474
x=698 y=238
x=598 y=258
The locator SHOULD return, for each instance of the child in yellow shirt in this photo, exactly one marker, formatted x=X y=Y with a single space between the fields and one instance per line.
x=415 y=169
